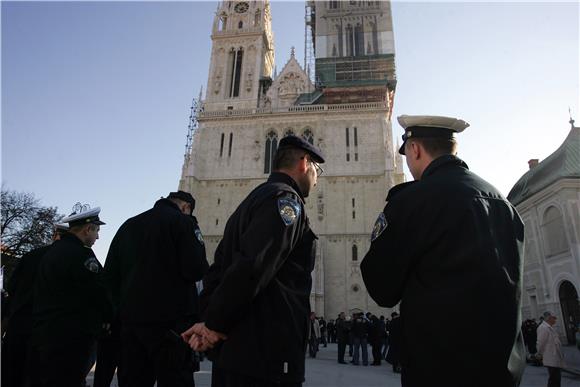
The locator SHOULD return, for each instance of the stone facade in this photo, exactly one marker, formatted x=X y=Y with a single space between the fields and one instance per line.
x=548 y=200
x=232 y=148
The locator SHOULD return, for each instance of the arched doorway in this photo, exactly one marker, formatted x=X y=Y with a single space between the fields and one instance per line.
x=570 y=309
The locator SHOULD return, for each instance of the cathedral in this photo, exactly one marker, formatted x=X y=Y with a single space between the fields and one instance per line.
x=343 y=105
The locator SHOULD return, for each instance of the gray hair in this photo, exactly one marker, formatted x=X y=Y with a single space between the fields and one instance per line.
x=547 y=314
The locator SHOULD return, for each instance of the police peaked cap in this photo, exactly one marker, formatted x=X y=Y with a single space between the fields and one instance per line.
x=182 y=195
x=300 y=143
x=85 y=217
x=429 y=127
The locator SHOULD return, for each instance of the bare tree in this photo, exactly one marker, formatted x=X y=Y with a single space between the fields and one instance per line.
x=25 y=224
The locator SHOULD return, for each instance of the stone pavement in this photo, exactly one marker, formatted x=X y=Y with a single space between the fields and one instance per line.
x=324 y=371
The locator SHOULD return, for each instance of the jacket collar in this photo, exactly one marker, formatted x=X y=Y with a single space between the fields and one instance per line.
x=280 y=177
x=164 y=202
x=442 y=162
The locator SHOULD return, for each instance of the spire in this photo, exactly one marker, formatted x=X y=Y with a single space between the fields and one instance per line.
x=571 y=119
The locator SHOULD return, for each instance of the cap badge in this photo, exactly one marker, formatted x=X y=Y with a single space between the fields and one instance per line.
x=380 y=226
x=289 y=210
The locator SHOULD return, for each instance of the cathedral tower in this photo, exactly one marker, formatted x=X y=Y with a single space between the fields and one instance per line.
x=242 y=56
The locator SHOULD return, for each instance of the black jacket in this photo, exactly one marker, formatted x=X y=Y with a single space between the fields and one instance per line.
x=152 y=265
x=70 y=299
x=451 y=249
x=257 y=291
x=20 y=290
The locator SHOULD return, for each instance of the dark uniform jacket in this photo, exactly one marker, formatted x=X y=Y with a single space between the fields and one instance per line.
x=20 y=290
x=70 y=300
x=152 y=265
x=449 y=247
x=257 y=291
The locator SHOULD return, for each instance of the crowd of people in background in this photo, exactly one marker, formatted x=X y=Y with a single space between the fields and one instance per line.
x=357 y=332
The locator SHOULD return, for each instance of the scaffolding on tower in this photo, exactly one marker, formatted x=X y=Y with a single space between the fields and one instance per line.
x=309 y=39
x=194 y=111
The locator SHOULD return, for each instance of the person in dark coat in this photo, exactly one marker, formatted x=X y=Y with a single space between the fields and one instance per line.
x=342 y=335
x=16 y=356
x=257 y=291
x=449 y=244
x=70 y=303
x=152 y=267
x=395 y=343
x=376 y=332
x=331 y=331
x=359 y=333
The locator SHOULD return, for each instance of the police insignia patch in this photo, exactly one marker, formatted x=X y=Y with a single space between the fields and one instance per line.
x=198 y=235
x=93 y=265
x=289 y=210
x=380 y=226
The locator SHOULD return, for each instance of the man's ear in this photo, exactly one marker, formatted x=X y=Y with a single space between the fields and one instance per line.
x=303 y=164
x=416 y=150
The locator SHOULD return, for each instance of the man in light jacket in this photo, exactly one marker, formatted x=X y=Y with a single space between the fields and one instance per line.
x=550 y=349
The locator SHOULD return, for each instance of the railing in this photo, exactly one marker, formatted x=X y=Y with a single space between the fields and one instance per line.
x=294 y=109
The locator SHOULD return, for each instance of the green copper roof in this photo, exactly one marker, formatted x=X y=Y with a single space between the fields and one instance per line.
x=564 y=163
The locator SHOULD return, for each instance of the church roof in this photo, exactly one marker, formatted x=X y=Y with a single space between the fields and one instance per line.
x=562 y=164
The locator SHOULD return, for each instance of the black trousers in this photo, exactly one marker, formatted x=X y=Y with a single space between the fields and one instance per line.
x=108 y=358
x=14 y=359
x=376 y=346
x=554 y=376
x=223 y=378
x=152 y=353
x=341 y=350
x=63 y=363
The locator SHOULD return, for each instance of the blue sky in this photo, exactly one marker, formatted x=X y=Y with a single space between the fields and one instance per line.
x=96 y=95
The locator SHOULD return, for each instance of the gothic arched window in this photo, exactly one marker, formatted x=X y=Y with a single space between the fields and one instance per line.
x=271 y=147
x=554 y=232
x=240 y=25
x=308 y=136
x=235 y=58
x=257 y=17
x=223 y=22
x=354 y=253
x=289 y=132
x=359 y=43
x=349 y=41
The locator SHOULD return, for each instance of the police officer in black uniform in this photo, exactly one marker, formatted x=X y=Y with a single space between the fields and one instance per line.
x=257 y=292
x=152 y=266
x=16 y=355
x=70 y=303
x=449 y=247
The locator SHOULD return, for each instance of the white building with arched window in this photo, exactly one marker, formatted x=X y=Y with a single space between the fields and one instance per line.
x=247 y=110
x=548 y=199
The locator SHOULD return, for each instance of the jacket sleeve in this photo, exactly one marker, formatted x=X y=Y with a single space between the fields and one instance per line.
x=542 y=340
x=190 y=251
x=386 y=265
x=264 y=245
x=89 y=278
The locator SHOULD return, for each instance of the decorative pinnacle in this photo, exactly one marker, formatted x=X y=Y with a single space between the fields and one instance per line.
x=292 y=50
x=571 y=119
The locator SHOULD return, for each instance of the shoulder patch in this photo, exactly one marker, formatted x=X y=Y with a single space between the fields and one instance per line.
x=93 y=265
x=199 y=236
x=380 y=226
x=289 y=210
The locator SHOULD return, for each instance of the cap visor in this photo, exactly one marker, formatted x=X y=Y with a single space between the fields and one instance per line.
x=402 y=149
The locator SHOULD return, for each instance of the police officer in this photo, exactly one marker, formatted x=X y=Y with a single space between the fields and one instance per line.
x=70 y=302
x=257 y=291
x=16 y=341
x=449 y=246
x=152 y=266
